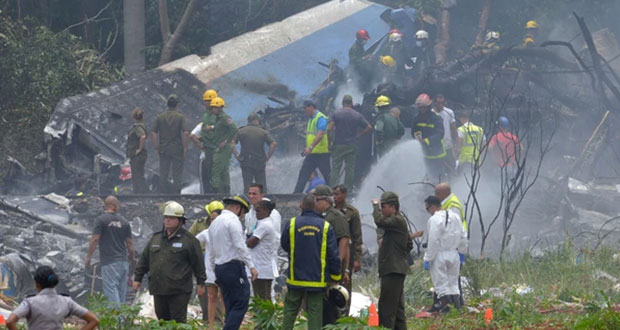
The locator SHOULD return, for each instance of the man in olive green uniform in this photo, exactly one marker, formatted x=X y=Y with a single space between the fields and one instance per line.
x=355 y=228
x=224 y=129
x=170 y=136
x=170 y=258
x=252 y=158
x=324 y=205
x=388 y=128
x=393 y=267
x=136 y=151
x=207 y=145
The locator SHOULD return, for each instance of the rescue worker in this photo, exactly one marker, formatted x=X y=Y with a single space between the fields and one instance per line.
x=531 y=32
x=136 y=152
x=48 y=309
x=393 y=260
x=263 y=244
x=324 y=205
x=214 y=208
x=470 y=142
x=505 y=146
x=170 y=258
x=450 y=135
x=359 y=64
x=423 y=56
x=355 y=228
x=427 y=128
x=199 y=229
x=446 y=239
x=204 y=139
x=224 y=130
x=388 y=128
x=451 y=202
x=389 y=69
x=313 y=259
x=252 y=159
x=170 y=136
x=316 y=152
x=229 y=256
x=348 y=127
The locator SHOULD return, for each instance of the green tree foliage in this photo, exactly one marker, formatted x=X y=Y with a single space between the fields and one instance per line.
x=38 y=68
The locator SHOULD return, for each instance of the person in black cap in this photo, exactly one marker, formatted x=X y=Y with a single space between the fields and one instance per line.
x=317 y=146
x=229 y=257
x=170 y=136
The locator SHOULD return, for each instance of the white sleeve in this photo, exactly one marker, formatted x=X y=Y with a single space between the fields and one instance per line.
x=434 y=236
x=277 y=221
x=238 y=241
x=452 y=117
x=261 y=229
x=203 y=237
x=209 y=248
x=197 y=129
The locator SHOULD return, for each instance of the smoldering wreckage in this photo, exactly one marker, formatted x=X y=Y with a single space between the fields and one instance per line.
x=47 y=217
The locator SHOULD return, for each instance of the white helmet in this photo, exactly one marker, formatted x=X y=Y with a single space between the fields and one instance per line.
x=339 y=295
x=174 y=209
x=421 y=34
x=492 y=35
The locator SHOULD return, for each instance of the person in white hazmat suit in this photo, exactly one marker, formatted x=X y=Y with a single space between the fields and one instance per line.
x=446 y=239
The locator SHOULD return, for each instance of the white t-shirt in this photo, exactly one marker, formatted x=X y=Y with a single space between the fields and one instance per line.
x=448 y=118
x=203 y=237
x=264 y=252
x=196 y=132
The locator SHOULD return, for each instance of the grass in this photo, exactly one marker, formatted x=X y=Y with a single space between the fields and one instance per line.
x=563 y=289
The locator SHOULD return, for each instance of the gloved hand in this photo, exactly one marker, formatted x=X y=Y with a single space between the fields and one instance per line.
x=462 y=258
x=427 y=265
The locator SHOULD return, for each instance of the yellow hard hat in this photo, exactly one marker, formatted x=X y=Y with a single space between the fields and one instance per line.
x=531 y=25
x=209 y=95
x=388 y=61
x=528 y=41
x=382 y=101
x=218 y=102
x=214 y=206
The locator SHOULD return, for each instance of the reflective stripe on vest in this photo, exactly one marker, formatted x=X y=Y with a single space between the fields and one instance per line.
x=311 y=131
x=309 y=284
x=441 y=155
x=472 y=140
x=454 y=201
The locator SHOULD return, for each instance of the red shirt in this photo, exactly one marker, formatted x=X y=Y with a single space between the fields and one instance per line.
x=503 y=145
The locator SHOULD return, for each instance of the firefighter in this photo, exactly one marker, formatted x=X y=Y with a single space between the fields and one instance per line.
x=207 y=145
x=316 y=152
x=428 y=129
x=470 y=140
x=531 y=32
x=311 y=245
x=388 y=128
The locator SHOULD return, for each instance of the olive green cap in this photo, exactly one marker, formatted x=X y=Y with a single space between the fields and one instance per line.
x=389 y=197
x=323 y=190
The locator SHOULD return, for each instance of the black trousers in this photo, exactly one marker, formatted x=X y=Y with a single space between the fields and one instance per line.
x=172 y=307
x=391 y=302
x=311 y=163
x=233 y=281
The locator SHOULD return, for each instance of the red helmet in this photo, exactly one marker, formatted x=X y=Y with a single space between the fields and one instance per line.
x=362 y=34
x=423 y=100
x=397 y=31
x=125 y=173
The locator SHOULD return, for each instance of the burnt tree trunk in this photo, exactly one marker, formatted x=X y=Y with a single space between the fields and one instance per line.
x=171 y=40
x=441 y=47
x=482 y=23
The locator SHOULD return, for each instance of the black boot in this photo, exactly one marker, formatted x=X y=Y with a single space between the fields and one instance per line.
x=441 y=306
x=456 y=301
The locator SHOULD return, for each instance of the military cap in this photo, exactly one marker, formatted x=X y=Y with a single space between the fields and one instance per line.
x=323 y=190
x=389 y=197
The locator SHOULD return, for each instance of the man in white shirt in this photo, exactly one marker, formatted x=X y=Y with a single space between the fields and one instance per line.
x=229 y=256
x=263 y=246
x=195 y=136
x=450 y=134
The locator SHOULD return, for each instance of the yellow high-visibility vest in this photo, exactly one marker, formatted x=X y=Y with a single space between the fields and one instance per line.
x=454 y=201
x=311 y=131
x=472 y=141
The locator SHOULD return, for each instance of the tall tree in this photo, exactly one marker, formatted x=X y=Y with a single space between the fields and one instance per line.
x=134 y=36
x=482 y=22
x=171 y=40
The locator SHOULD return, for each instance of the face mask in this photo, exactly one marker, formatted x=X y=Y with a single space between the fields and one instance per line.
x=418 y=43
